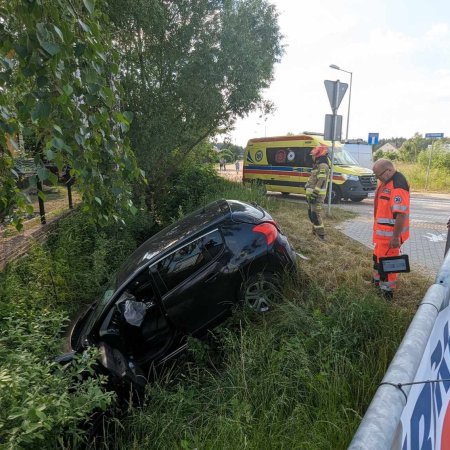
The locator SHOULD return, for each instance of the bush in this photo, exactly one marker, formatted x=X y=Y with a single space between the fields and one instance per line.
x=185 y=190
x=42 y=404
x=440 y=159
x=393 y=156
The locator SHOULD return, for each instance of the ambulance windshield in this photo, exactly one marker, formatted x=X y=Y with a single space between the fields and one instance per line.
x=342 y=157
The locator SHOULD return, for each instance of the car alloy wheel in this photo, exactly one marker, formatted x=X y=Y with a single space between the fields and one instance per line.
x=259 y=292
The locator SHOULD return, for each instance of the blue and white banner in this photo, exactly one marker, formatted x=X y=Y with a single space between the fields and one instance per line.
x=425 y=421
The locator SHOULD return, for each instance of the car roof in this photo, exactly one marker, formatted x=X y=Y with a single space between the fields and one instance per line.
x=173 y=235
x=193 y=224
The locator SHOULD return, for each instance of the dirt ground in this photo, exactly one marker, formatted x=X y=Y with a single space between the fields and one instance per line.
x=15 y=243
x=230 y=173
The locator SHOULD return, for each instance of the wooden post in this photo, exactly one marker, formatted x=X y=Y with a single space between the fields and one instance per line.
x=69 y=194
x=40 y=201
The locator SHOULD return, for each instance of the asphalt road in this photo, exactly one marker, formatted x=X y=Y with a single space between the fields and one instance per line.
x=429 y=214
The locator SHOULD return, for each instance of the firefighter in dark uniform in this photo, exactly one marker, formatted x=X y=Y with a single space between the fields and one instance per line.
x=316 y=188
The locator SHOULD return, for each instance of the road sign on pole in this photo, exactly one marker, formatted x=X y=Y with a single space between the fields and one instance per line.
x=373 y=138
x=333 y=123
x=332 y=132
x=336 y=91
x=434 y=135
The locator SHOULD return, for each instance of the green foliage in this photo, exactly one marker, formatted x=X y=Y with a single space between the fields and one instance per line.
x=236 y=150
x=438 y=180
x=186 y=188
x=227 y=155
x=202 y=153
x=190 y=69
x=412 y=148
x=299 y=377
x=60 y=79
x=436 y=157
x=40 y=401
x=393 y=156
x=42 y=405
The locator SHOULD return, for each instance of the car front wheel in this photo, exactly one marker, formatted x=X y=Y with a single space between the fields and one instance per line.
x=259 y=292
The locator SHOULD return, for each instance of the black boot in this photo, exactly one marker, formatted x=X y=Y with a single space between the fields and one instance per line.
x=387 y=295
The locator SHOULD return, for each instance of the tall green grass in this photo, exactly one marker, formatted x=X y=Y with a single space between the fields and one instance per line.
x=438 y=179
x=297 y=378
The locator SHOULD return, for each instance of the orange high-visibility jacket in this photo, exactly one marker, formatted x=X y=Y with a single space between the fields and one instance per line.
x=391 y=198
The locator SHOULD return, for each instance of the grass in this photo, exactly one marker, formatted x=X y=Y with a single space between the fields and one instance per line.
x=299 y=377
x=438 y=179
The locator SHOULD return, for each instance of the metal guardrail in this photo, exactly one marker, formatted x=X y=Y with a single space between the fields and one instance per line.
x=378 y=427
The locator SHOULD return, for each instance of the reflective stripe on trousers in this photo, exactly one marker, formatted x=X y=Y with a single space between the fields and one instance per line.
x=385 y=282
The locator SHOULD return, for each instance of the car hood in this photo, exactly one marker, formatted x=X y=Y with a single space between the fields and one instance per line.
x=353 y=170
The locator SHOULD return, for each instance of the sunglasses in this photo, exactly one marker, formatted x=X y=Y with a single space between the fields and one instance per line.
x=381 y=174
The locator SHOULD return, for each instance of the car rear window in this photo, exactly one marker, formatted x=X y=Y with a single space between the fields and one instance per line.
x=238 y=209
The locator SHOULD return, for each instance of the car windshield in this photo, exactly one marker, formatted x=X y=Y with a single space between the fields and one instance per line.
x=100 y=305
x=342 y=157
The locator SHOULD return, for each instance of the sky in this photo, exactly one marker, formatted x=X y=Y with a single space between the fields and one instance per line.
x=397 y=50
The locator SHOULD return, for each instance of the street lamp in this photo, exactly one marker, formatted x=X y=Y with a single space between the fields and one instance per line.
x=334 y=66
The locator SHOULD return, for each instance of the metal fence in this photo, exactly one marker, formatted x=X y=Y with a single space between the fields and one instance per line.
x=378 y=427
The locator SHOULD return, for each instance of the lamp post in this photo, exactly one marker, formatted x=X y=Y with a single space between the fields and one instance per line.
x=333 y=66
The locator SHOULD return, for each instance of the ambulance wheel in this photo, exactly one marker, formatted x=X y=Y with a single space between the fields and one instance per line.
x=336 y=195
x=357 y=199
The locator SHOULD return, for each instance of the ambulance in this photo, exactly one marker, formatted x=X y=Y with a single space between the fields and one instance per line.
x=283 y=164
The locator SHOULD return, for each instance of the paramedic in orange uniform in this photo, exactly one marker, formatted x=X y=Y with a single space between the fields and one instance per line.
x=391 y=220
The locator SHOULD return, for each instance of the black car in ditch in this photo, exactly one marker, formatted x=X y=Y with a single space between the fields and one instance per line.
x=181 y=282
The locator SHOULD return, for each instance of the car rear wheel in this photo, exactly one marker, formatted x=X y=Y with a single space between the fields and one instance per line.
x=357 y=199
x=259 y=292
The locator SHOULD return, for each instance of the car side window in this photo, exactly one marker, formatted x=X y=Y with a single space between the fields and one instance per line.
x=212 y=244
x=181 y=264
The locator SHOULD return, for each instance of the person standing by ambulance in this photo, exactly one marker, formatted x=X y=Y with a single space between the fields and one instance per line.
x=316 y=188
x=391 y=220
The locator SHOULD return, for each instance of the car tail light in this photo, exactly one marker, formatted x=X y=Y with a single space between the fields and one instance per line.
x=269 y=229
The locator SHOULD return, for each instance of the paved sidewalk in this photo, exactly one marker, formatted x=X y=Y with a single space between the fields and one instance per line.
x=428 y=230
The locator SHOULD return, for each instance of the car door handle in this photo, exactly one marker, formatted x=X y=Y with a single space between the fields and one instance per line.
x=211 y=277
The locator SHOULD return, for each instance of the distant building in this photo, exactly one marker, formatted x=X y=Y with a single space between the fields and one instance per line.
x=388 y=148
